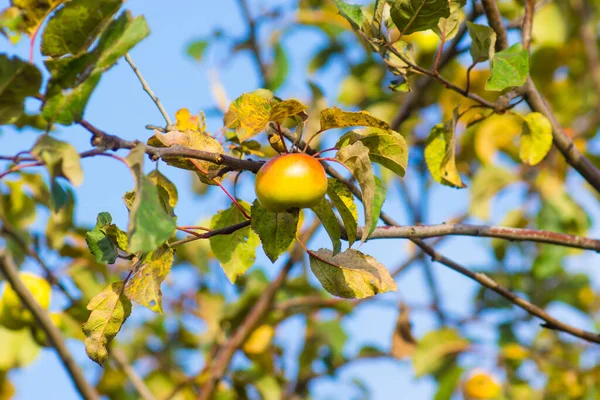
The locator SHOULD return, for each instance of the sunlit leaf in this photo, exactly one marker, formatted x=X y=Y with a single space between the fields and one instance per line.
x=343 y=200
x=352 y=12
x=34 y=12
x=61 y=158
x=330 y=223
x=149 y=224
x=448 y=27
x=184 y=120
x=236 y=252
x=336 y=118
x=536 y=138
x=434 y=348
x=109 y=310
x=259 y=340
x=510 y=68
x=18 y=80
x=285 y=109
x=351 y=274
x=440 y=155
x=249 y=114
x=143 y=286
x=276 y=230
x=17 y=348
x=356 y=158
x=418 y=15
x=73 y=28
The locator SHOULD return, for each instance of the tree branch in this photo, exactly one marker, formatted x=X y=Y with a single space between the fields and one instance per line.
x=490 y=8
x=11 y=273
x=148 y=90
x=223 y=231
x=119 y=357
x=528 y=23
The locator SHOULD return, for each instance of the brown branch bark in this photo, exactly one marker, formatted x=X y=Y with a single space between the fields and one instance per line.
x=490 y=8
x=223 y=231
x=528 y=23
x=42 y=317
x=119 y=357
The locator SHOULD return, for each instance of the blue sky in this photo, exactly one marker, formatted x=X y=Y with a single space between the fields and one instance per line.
x=120 y=106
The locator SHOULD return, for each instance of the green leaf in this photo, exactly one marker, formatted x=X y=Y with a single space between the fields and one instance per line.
x=448 y=382
x=167 y=191
x=536 y=138
x=68 y=107
x=269 y=387
x=332 y=333
x=196 y=49
x=440 y=156
x=330 y=223
x=343 y=201
x=418 y=15
x=249 y=114
x=61 y=158
x=102 y=245
x=18 y=349
x=279 y=69
x=483 y=41
x=61 y=220
x=109 y=310
x=33 y=13
x=353 y=13
x=120 y=37
x=350 y=274
x=435 y=348
x=73 y=28
x=336 y=118
x=448 y=27
x=18 y=80
x=276 y=230
x=387 y=148
x=143 y=286
x=510 y=68
x=356 y=158
x=58 y=196
x=285 y=109
x=149 y=224
x=236 y=252
x=378 y=200
x=488 y=181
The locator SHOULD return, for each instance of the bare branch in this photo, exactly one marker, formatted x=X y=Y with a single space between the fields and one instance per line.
x=119 y=357
x=490 y=8
x=42 y=317
x=148 y=90
x=528 y=23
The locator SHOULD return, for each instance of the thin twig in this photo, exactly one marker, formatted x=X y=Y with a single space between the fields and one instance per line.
x=528 y=23
x=42 y=317
x=206 y=235
x=148 y=90
x=137 y=382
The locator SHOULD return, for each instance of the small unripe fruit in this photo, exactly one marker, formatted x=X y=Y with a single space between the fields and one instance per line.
x=289 y=181
x=13 y=314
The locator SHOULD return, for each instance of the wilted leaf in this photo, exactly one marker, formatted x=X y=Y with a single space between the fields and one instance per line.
x=510 y=68
x=61 y=158
x=351 y=274
x=143 y=286
x=433 y=349
x=356 y=158
x=387 y=148
x=440 y=155
x=343 y=201
x=18 y=80
x=109 y=310
x=403 y=341
x=488 y=181
x=418 y=15
x=483 y=41
x=249 y=114
x=536 y=138
x=73 y=28
x=335 y=118
x=149 y=224
x=330 y=223
x=285 y=109
x=276 y=230
x=236 y=252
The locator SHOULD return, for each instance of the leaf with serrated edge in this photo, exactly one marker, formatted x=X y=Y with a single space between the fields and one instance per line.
x=536 y=138
x=109 y=310
x=351 y=274
x=236 y=252
x=144 y=285
x=330 y=223
x=276 y=230
x=335 y=118
x=418 y=15
x=149 y=224
x=343 y=200
x=356 y=158
x=510 y=68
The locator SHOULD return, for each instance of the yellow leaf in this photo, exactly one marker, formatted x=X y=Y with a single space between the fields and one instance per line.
x=184 y=120
x=336 y=118
x=481 y=386
x=495 y=133
x=34 y=13
x=536 y=138
x=440 y=155
x=249 y=114
x=259 y=340
x=514 y=351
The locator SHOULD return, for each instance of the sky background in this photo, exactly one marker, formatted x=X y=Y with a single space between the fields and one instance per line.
x=120 y=106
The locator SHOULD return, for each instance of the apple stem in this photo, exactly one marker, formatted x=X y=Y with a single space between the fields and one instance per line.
x=323 y=151
x=238 y=205
x=281 y=137
x=310 y=139
x=334 y=160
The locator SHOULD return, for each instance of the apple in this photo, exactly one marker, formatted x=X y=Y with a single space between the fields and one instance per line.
x=481 y=385
x=13 y=314
x=289 y=181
